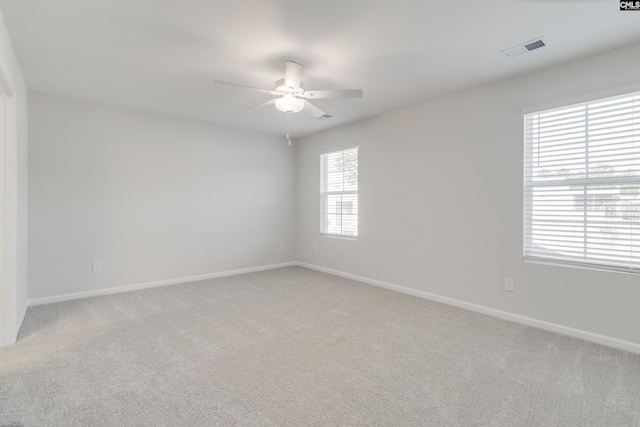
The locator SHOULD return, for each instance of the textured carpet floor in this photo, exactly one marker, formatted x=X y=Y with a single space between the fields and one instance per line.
x=295 y=347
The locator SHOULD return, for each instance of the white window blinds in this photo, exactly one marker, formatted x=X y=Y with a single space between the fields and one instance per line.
x=339 y=193
x=582 y=184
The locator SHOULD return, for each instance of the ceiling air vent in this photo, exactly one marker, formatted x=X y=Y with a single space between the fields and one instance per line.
x=525 y=47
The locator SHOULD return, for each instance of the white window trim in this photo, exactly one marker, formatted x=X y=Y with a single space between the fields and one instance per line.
x=560 y=103
x=323 y=207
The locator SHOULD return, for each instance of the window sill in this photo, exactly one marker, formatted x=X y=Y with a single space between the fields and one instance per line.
x=582 y=266
x=339 y=236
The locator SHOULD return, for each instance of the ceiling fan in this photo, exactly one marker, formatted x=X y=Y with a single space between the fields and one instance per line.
x=291 y=97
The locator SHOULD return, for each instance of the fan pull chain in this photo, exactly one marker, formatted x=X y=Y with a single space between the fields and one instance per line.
x=288 y=127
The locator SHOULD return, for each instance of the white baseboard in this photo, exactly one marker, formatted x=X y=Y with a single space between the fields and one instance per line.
x=138 y=286
x=529 y=321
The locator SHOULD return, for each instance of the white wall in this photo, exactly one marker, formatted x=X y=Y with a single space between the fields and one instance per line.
x=152 y=197
x=441 y=202
x=16 y=191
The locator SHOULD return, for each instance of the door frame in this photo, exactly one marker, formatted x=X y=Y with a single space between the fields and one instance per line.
x=8 y=213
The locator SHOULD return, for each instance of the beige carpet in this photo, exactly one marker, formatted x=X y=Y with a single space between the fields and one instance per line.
x=295 y=347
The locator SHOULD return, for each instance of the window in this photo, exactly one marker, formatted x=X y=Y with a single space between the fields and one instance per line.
x=582 y=184
x=339 y=193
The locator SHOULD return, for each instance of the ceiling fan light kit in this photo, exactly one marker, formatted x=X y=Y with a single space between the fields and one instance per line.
x=289 y=103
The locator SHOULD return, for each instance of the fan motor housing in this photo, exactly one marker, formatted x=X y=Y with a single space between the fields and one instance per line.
x=282 y=88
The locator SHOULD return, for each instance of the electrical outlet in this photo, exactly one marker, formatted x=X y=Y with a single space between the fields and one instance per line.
x=97 y=266
x=508 y=284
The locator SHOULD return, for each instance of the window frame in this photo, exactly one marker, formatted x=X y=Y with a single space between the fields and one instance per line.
x=324 y=194
x=633 y=266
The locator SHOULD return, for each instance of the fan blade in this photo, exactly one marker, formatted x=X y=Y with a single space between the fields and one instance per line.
x=323 y=94
x=314 y=111
x=220 y=82
x=262 y=104
x=293 y=74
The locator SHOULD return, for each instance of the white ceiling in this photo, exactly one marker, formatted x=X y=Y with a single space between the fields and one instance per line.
x=162 y=56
